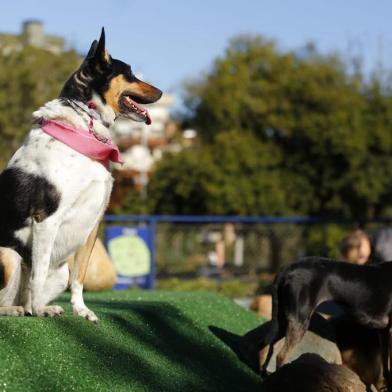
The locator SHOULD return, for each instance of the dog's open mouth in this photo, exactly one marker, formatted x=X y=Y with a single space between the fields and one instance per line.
x=134 y=110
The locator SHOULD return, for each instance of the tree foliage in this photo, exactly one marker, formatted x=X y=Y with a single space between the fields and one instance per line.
x=237 y=174
x=282 y=133
x=28 y=78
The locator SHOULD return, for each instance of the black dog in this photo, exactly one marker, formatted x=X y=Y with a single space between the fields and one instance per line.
x=364 y=290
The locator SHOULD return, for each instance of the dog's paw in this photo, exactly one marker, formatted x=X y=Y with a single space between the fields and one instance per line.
x=49 y=311
x=15 y=311
x=86 y=313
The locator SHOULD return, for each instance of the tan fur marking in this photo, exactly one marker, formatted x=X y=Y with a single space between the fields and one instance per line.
x=8 y=266
x=143 y=88
x=116 y=87
x=80 y=79
x=119 y=84
x=107 y=56
x=82 y=256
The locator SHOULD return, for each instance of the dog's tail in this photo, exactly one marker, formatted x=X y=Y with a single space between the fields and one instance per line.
x=275 y=310
x=259 y=340
x=276 y=328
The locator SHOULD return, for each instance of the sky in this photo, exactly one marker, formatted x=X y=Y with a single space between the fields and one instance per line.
x=171 y=41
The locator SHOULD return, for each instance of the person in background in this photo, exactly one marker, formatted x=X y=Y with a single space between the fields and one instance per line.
x=356 y=247
x=382 y=241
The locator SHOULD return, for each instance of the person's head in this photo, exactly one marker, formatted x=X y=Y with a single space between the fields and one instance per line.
x=356 y=247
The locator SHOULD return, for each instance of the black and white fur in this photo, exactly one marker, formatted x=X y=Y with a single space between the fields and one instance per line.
x=52 y=198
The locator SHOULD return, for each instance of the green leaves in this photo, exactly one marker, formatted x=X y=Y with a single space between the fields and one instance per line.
x=28 y=78
x=328 y=129
x=237 y=174
x=181 y=183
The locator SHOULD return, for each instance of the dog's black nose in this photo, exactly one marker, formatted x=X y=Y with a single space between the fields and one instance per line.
x=159 y=94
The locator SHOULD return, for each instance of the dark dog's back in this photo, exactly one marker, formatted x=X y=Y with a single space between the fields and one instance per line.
x=364 y=291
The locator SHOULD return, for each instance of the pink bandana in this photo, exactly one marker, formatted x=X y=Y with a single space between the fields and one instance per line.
x=86 y=142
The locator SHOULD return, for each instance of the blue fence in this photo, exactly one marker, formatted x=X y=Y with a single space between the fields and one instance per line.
x=151 y=222
x=285 y=237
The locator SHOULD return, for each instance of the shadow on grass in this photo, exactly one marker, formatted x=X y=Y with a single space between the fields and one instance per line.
x=233 y=342
x=152 y=346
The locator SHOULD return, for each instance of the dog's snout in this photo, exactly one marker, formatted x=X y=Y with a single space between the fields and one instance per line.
x=158 y=94
x=151 y=93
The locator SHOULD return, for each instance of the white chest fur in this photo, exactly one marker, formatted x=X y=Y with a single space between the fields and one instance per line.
x=84 y=186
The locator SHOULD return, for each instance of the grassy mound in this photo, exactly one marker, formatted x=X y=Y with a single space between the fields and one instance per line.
x=145 y=341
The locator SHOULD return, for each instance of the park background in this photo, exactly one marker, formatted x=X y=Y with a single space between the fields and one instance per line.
x=269 y=110
x=272 y=141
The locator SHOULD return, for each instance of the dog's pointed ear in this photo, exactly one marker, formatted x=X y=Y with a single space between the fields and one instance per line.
x=101 y=54
x=101 y=42
x=92 y=50
x=97 y=54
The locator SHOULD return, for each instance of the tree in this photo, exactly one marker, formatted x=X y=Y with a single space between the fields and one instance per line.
x=28 y=78
x=235 y=175
x=180 y=184
x=330 y=126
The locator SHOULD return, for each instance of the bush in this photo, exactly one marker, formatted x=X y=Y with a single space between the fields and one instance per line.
x=231 y=288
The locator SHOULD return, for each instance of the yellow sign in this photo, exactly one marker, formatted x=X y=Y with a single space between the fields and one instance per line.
x=130 y=255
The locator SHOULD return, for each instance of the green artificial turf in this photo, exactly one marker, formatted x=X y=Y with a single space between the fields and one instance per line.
x=145 y=341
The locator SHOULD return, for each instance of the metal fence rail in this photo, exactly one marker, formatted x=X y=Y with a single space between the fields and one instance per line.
x=183 y=244
x=161 y=227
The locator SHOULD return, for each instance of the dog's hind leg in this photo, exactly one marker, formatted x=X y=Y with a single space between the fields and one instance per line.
x=265 y=356
x=258 y=342
x=10 y=279
x=78 y=274
x=294 y=334
x=277 y=330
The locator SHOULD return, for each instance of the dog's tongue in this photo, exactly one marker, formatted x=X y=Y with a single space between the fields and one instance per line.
x=141 y=109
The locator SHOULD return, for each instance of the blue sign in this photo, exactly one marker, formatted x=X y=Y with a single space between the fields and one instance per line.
x=130 y=251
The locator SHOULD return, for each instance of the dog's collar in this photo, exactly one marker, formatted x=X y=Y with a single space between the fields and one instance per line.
x=90 y=109
x=84 y=141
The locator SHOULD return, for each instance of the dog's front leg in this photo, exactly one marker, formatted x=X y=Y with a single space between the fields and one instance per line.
x=44 y=235
x=78 y=274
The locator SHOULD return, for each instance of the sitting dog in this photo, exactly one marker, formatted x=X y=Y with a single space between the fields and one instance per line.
x=364 y=290
x=54 y=190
